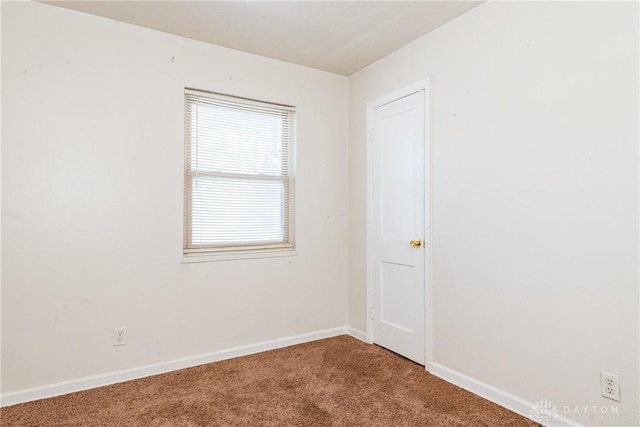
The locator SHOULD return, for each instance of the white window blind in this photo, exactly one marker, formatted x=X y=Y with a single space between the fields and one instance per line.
x=239 y=175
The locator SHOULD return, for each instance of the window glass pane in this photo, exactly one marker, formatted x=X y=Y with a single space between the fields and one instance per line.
x=236 y=211
x=236 y=141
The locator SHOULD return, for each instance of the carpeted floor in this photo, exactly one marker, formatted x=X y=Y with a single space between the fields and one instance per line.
x=333 y=382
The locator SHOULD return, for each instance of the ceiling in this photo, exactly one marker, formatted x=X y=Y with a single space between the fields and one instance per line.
x=336 y=36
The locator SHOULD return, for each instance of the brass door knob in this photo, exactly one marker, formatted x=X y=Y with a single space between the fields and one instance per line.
x=415 y=243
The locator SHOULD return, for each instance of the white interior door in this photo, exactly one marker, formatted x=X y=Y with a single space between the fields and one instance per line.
x=398 y=226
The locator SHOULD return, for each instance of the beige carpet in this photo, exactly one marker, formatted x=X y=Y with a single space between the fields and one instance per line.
x=333 y=382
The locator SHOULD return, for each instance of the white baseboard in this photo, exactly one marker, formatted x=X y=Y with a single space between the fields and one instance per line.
x=358 y=334
x=495 y=395
x=85 y=383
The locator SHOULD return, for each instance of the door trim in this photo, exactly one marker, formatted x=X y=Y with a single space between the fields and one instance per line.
x=424 y=85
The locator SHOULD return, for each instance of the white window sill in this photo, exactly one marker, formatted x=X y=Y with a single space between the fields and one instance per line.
x=190 y=259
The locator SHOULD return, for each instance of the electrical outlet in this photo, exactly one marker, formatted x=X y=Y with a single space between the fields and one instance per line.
x=119 y=336
x=610 y=386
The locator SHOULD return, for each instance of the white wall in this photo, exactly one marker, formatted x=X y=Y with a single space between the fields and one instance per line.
x=92 y=163
x=0 y=207
x=535 y=197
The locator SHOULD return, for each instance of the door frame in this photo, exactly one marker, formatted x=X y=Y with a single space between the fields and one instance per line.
x=424 y=85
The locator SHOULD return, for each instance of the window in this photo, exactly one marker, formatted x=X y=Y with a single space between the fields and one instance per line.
x=239 y=180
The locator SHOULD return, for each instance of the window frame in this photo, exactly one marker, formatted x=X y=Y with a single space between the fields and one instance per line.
x=257 y=249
